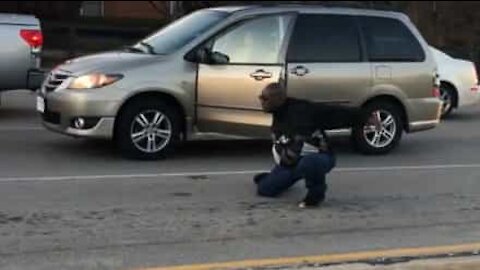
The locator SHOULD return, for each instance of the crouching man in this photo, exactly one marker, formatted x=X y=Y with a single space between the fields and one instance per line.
x=300 y=145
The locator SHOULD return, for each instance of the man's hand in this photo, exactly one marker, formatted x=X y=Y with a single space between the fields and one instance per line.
x=287 y=152
x=285 y=156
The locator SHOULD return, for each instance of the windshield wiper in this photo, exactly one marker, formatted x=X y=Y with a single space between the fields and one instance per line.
x=133 y=49
x=150 y=48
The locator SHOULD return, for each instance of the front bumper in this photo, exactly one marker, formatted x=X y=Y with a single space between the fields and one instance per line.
x=64 y=106
x=102 y=130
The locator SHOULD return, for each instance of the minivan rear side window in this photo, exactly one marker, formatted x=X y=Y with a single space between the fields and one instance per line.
x=322 y=38
x=389 y=40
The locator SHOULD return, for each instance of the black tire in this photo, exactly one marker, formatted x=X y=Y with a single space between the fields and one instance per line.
x=365 y=143
x=127 y=123
x=450 y=92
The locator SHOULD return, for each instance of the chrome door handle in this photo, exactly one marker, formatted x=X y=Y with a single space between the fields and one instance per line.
x=260 y=75
x=300 y=71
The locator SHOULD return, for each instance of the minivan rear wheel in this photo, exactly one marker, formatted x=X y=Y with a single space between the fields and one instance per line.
x=147 y=129
x=371 y=140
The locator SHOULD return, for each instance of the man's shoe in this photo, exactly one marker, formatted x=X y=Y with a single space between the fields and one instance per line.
x=258 y=177
x=310 y=201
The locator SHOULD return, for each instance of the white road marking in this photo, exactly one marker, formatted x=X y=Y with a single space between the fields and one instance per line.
x=220 y=173
x=406 y=168
x=21 y=128
x=123 y=176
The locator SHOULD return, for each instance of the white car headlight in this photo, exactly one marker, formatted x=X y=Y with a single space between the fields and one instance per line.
x=95 y=80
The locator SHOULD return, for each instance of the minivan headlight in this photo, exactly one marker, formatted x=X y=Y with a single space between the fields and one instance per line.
x=95 y=80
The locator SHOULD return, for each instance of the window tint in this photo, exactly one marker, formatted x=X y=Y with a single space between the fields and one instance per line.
x=325 y=38
x=255 y=41
x=390 y=40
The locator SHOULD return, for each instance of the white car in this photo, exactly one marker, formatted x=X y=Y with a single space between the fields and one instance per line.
x=459 y=82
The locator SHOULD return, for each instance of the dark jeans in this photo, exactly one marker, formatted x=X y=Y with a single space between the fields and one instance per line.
x=312 y=168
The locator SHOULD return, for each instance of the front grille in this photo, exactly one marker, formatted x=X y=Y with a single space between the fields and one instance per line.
x=54 y=80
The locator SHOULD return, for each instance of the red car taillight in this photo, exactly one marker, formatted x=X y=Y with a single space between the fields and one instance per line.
x=34 y=38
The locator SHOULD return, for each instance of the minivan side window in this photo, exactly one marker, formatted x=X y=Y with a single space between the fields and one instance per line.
x=324 y=39
x=256 y=41
x=389 y=40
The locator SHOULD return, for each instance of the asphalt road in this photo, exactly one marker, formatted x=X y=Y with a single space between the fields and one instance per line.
x=76 y=204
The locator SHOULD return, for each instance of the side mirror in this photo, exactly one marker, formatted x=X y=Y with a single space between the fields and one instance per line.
x=202 y=55
x=217 y=58
x=206 y=56
x=197 y=56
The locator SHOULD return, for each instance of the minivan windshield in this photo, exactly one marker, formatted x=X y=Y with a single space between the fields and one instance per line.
x=179 y=33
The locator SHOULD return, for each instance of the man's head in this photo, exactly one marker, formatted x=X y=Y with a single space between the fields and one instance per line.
x=273 y=97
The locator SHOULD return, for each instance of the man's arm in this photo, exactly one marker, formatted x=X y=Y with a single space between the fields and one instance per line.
x=330 y=117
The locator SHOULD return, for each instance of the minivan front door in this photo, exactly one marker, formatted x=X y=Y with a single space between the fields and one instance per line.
x=227 y=91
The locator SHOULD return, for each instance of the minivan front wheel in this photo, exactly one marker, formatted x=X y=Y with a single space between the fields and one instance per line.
x=370 y=139
x=147 y=130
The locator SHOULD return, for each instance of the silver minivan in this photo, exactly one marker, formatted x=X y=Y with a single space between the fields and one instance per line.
x=204 y=72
